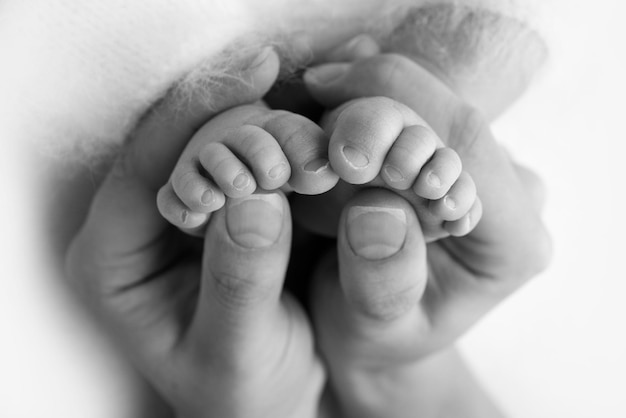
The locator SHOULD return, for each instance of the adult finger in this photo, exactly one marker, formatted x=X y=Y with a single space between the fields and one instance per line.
x=374 y=308
x=388 y=75
x=124 y=216
x=245 y=260
x=361 y=46
x=506 y=247
x=125 y=245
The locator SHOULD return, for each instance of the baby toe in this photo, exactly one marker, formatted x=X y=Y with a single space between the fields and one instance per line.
x=439 y=174
x=305 y=146
x=260 y=151
x=458 y=201
x=176 y=212
x=227 y=171
x=412 y=149
x=196 y=191
x=467 y=222
x=362 y=135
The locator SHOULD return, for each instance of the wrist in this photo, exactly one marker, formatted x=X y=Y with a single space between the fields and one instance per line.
x=435 y=386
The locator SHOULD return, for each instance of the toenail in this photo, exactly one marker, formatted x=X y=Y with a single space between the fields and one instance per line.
x=433 y=180
x=467 y=223
x=449 y=202
x=354 y=42
x=317 y=165
x=375 y=233
x=255 y=221
x=261 y=58
x=393 y=174
x=327 y=73
x=277 y=171
x=355 y=157
x=362 y=45
x=241 y=181
x=207 y=197
x=183 y=216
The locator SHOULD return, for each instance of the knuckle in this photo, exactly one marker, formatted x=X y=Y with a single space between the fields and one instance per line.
x=389 y=70
x=239 y=291
x=388 y=306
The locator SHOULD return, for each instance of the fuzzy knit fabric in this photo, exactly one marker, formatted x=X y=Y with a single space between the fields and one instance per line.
x=77 y=74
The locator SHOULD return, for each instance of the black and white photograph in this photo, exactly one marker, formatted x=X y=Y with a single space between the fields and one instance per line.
x=313 y=209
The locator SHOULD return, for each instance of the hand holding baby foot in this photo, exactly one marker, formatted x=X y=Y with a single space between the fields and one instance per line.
x=510 y=243
x=396 y=319
x=211 y=329
x=372 y=325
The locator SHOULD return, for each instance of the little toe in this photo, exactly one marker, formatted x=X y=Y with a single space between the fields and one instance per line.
x=227 y=171
x=458 y=201
x=467 y=222
x=439 y=174
x=412 y=149
x=197 y=192
x=176 y=212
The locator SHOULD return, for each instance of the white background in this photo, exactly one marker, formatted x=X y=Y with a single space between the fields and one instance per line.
x=558 y=347
x=555 y=349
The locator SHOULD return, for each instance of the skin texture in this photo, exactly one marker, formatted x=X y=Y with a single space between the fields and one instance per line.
x=249 y=142
x=143 y=281
x=135 y=283
x=374 y=339
x=365 y=330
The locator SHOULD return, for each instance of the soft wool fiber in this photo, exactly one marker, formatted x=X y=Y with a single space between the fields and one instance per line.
x=81 y=73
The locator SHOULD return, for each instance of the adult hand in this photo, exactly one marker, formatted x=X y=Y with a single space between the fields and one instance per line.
x=210 y=327
x=378 y=319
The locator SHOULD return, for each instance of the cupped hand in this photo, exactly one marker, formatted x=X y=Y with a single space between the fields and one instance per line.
x=468 y=275
x=207 y=324
x=383 y=323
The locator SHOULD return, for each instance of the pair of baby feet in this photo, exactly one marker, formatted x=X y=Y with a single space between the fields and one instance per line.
x=370 y=141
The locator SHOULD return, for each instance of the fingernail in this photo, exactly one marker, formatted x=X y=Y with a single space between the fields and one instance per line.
x=354 y=42
x=261 y=57
x=375 y=233
x=277 y=171
x=449 y=202
x=326 y=74
x=355 y=157
x=317 y=165
x=241 y=181
x=434 y=180
x=207 y=197
x=363 y=45
x=255 y=221
x=393 y=174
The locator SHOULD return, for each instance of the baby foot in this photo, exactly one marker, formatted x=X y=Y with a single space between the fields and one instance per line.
x=380 y=142
x=243 y=149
